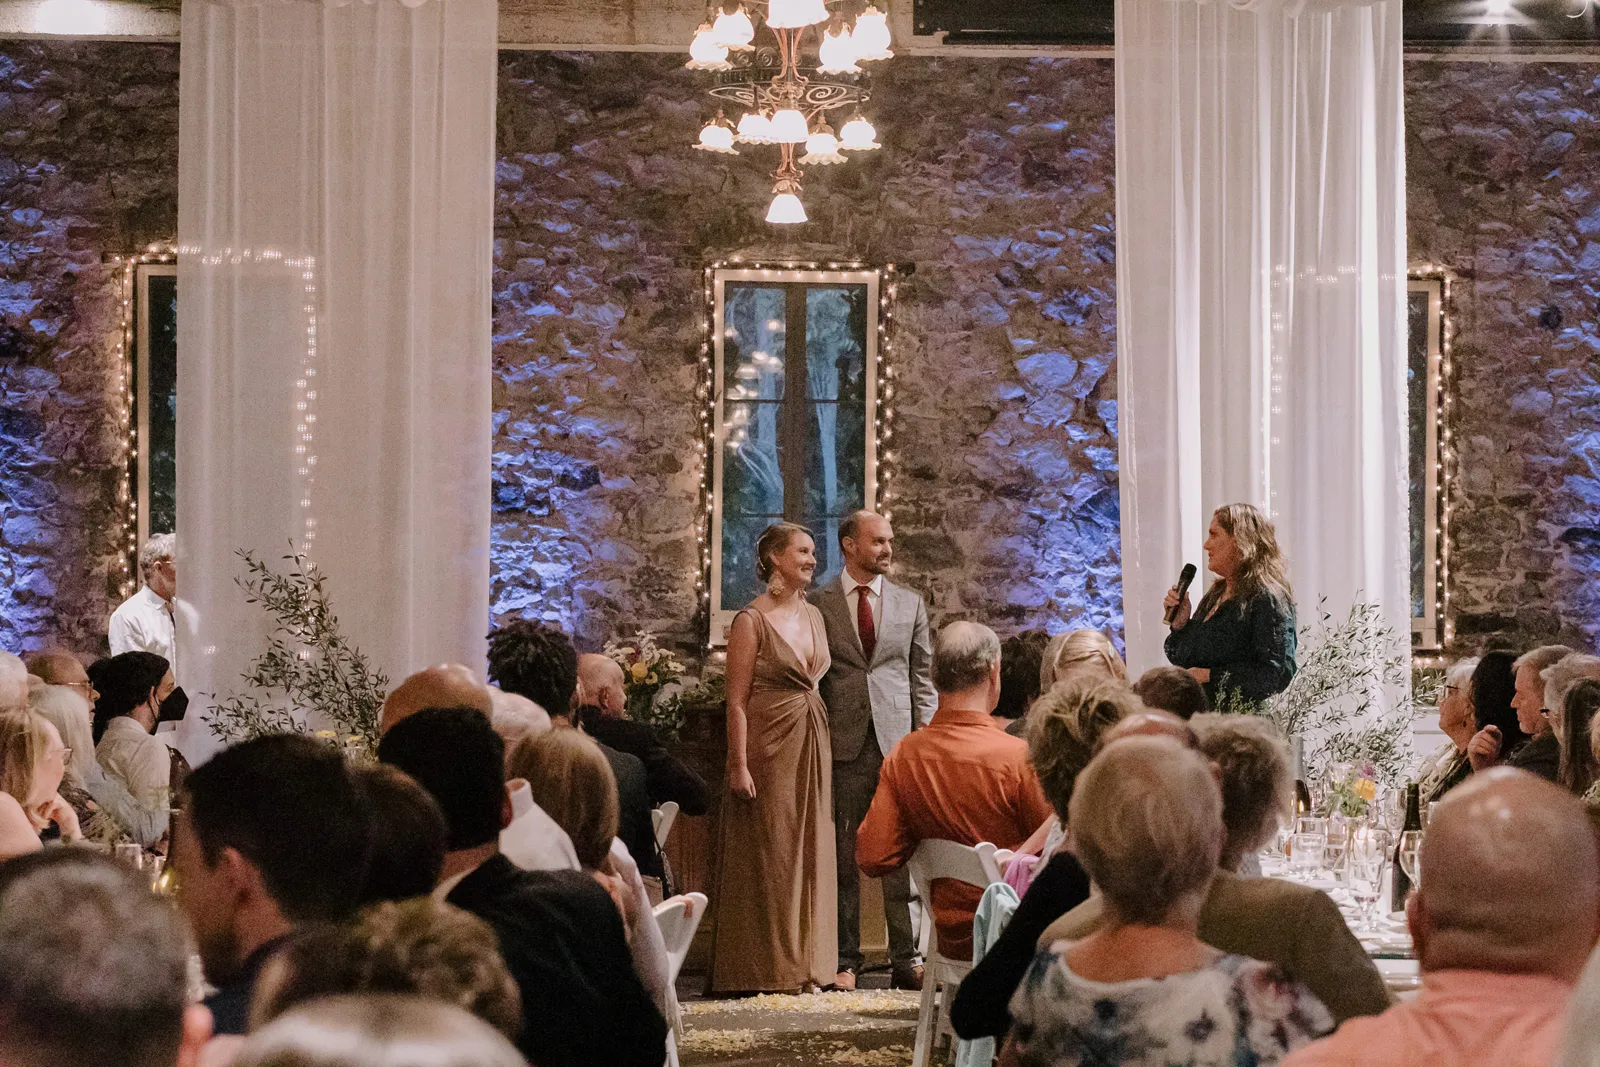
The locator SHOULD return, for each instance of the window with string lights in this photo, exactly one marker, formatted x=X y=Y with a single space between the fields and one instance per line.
x=1430 y=332
x=796 y=420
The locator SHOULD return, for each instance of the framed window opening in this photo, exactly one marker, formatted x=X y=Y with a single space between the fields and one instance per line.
x=1429 y=400
x=155 y=397
x=796 y=419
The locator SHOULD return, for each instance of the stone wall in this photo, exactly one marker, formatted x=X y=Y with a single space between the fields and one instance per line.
x=995 y=180
x=1503 y=173
x=88 y=167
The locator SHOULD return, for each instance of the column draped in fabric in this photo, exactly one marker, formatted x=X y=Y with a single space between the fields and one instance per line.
x=335 y=225
x=1261 y=295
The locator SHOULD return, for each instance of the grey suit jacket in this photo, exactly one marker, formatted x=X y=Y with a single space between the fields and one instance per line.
x=895 y=691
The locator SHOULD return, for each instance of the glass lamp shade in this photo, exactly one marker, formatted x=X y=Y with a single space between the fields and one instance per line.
x=822 y=149
x=872 y=35
x=786 y=209
x=755 y=128
x=788 y=126
x=705 y=53
x=858 y=136
x=717 y=137
x=735 y=31
x=794 y=14
x=837 y=53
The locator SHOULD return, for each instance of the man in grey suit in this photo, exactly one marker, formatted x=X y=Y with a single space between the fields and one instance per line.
x=877 y=691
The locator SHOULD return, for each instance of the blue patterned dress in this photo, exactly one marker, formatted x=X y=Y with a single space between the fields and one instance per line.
x=1234 y=1012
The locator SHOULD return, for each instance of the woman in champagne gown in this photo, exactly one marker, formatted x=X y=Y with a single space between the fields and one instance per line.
x=776 y=890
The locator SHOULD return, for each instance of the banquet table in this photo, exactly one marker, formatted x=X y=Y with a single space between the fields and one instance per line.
x=1388 y=942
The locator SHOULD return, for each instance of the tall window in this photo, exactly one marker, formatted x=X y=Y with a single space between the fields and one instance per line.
x=1427 y=396
x=155 y=385
x=795 y=373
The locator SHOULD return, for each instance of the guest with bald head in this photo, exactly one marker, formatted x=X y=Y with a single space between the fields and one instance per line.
x=1503 y=924
x=13 y=681
x=447 y=685
x=63 y=668
x=603 y=712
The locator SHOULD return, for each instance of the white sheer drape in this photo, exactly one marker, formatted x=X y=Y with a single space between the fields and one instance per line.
x=335 y=228
x=1260 y=294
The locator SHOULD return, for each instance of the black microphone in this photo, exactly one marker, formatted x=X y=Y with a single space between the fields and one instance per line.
x=1185 y=576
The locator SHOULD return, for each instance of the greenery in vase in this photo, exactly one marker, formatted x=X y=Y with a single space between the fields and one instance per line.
x=1341 y=703
x=310 y=673
x=1351 y=789
x=647 y=669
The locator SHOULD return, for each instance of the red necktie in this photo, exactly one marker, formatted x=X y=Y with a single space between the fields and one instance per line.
x=868 y=632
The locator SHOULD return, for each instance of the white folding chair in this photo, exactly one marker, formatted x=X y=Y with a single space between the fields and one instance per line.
x=678 y=919
x=936 y=859
x=662 y=819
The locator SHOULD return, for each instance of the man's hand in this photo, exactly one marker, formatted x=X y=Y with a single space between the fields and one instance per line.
x=1484 y=749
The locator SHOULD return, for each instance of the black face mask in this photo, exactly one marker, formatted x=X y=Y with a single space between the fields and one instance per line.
x=173 y=708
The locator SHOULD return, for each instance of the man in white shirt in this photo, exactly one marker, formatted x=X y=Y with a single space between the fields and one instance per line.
x=144 y=622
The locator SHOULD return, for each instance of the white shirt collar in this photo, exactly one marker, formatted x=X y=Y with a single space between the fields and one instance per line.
x=875 y=587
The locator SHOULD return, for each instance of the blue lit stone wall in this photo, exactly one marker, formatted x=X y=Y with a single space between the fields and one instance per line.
x=1503 y=172
x=88 y=166
x=995 y=179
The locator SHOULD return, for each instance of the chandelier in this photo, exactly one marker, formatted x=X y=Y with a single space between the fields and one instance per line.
x=782 y=95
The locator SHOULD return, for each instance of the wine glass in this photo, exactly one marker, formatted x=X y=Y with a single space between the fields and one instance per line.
x=1311 y=824
x=1411 y=856
x=1333 y=853
x=1364 y=877
x=130 y=854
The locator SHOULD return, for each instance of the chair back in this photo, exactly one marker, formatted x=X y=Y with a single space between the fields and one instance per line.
x=678 y=919
x=662 y=819
x=937 y=858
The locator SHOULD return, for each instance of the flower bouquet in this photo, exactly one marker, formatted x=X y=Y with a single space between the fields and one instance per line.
x=647 y=668
x=1351 y=789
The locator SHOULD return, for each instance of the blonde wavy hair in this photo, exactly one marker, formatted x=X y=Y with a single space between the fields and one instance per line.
x=572 y=781
x=1065 y=726
x=23 y=742
x=1261 y=563
x=1080 y=651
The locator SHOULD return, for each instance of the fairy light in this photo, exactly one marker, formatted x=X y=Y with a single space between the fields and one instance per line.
x=1443 y=378
x=881 y=426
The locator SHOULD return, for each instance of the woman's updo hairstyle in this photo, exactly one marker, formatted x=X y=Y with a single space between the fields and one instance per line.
x=775 y=539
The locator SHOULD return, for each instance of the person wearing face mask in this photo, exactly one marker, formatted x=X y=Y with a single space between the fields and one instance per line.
x=1241 y=638
x=133 y=687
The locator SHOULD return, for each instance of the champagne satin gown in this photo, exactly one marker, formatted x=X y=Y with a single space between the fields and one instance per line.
x=776 y=892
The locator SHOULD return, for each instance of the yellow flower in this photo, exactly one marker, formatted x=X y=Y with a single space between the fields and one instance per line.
x=640 y=671
x=327 y=735
x=1366 y=789
x=652 y=680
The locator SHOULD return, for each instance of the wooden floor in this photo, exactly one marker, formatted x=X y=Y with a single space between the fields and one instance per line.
x=867 y=1028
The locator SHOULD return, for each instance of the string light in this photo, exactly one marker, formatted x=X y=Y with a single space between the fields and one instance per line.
x=1441 y=385
x=879 y=428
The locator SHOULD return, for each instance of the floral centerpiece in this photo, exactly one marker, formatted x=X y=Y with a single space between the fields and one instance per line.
x=647 y=669
x=1352 y=789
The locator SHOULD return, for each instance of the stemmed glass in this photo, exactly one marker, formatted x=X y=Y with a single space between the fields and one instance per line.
x=1333 y=851
x=1366 y=861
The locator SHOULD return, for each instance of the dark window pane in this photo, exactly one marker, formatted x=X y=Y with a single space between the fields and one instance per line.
x=825 y=530
x=836 y=342
x=752 y=458
x=1418 y=385
x=161 y=450
x=739 y=582
x=836 y=475
x=753 y=342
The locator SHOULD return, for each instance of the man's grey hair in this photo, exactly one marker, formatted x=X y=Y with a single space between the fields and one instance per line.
x=963 y=656
x=1561 y=676
x=1543 y=657
x=160 y=547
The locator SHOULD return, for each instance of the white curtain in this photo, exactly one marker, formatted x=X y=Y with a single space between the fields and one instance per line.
x=1261 y=294
x=335 y=227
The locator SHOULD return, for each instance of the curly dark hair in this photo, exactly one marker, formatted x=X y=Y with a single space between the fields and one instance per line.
x=535 y=661
x=1019 y=672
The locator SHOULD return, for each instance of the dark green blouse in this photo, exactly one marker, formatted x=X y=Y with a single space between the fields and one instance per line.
x=1248 y=647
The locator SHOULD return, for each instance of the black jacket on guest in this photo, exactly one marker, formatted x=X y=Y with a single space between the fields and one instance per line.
x=669 y=778
x=636 y=828
x=1248 y=646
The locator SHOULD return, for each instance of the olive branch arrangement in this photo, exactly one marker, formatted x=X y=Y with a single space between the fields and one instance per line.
x=309 y=671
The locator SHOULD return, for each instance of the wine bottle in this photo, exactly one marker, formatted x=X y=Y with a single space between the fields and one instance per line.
x=1302 y=798
x=1399 y=883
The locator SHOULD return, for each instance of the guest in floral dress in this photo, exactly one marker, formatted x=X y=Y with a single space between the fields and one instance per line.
x=1143 y=990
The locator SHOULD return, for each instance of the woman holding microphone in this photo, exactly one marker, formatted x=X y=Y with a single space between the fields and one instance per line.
x=1241 y=639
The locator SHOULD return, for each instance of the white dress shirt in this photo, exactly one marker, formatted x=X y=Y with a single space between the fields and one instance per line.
x=534 y=841
x=144 y=624
x=874 y=590
x=128 y=753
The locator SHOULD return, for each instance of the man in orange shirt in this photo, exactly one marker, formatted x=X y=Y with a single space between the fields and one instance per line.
x=961 y=778
x=1503 y=923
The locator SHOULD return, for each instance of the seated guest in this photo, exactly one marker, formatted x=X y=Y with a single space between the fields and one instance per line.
x=63 y=668
x=1065 y=729
x=1495 y=979
x=1541 y=753
x=1080 y=650
x=94 y=968
x=560 y=934
x=1579 y=769
x=538 y=662
x=132 y=687
x=572 y=781
x=420 y=947
x=378 y=1031
x=1174 y=690
x=1494 y=692
x=408 y=835
x=516 y=717
x=603 y=714
x=69 y=713
x=1298 y=928
x=533 y=841
x=1020 y=657
x=1448 y=766
x=274 y=835
x=13 y=681
x=1143 y=989
x=32 y=763
x=960 y=778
